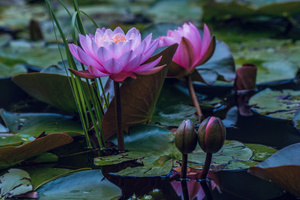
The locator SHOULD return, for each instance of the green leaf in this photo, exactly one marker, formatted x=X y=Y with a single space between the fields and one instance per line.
x=11 y=155
x=282 y=168
x=8 y=71
x=54 y=89
x=147 y=144
x=31 y=125
x=89 y=184
x=33 y=54
x=7 y=139
x=41 y=176
x=15 y=182
x=220 y=66
x=279 y=104
x=153 y=148
x=164 y=11
x=174 y=114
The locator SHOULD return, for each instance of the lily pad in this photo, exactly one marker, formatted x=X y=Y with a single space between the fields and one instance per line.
x=166 y=11
x=11 y=155
x=282 y=168
x=279 y=104
x=50 y=88
x=33 y=54
x=41 y=176
x=221 y=64
x=8 y=71
x=174 y=114
x=89 y=184
x=7 y=139
x=150 y=146
x=31 y=125
x=15 y=182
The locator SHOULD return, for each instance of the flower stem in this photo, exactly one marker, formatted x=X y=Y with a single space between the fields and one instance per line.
x=206 y=166
x=184 y=188
x=119 y=117
x=184 y=166
x=193 y=96
x=206 y=190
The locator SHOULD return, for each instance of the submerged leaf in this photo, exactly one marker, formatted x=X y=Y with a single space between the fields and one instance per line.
x=15 y=182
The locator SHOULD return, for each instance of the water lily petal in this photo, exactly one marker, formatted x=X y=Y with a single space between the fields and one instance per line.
x=74 y=51
x=103 y=55
x=134 y=63
x=114 y=49
x=184 y=55
x=122 y=76
x=118 y=30
x=96 y=72
x=126 y=58
x=113 y=66
x=83 y=73
x=205 y=40
x=86 y=44
x=148 y=66
x=151 y=48
x=88 y=60
x=151 y=71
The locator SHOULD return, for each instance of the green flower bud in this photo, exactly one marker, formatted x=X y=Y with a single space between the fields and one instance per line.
x=211 y=134
x=186 y=137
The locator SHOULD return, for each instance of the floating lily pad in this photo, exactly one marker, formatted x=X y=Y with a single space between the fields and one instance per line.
x=31 y=125
x=282 y=168
x=174 y=114
x=12 y=155
x=41 y=176
x=50 y=88
x=7 y=139
x=89 y=184
x=166 y=11
x=279 y=104
x=15 y=182
x=33 y=54
x=221 y=63
x=152 y=147
x=146 y=144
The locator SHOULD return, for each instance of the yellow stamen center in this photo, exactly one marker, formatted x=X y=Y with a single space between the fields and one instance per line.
x=118 y=37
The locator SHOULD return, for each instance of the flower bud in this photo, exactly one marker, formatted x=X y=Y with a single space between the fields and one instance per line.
x=211 y=134
x=186 y=137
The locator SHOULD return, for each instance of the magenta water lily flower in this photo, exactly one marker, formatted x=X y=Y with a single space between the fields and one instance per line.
x=115 y=54
x=193 y=50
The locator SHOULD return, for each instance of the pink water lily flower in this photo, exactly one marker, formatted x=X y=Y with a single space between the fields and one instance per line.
x=193 y=50
x=115 y=54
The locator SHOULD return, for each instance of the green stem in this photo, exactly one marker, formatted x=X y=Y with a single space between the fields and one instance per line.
x=119 y=117
x=206 y=166
x=193 y=96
